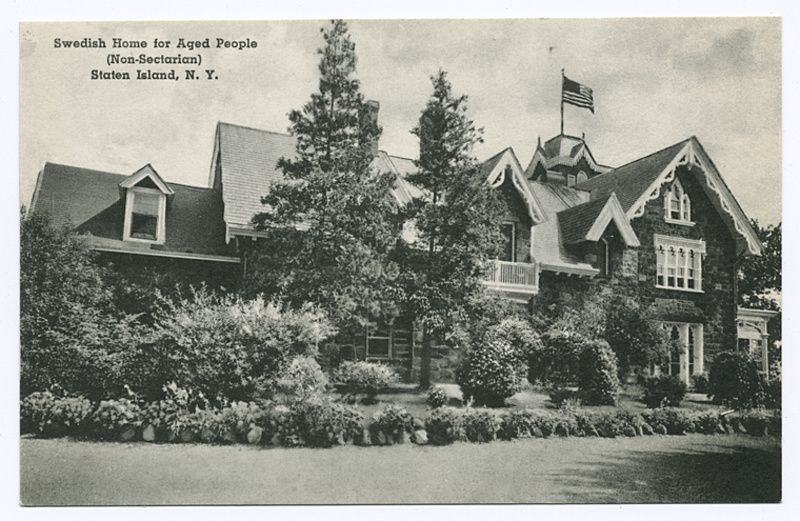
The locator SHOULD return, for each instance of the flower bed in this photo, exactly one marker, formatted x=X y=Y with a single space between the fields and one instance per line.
x=324 y=423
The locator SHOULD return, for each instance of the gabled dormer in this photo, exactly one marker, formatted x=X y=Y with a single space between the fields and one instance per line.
x=145 y=196
x=564 y=160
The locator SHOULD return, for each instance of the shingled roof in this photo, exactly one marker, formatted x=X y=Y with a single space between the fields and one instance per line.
x=249 y=159
x=630 y=181
x=90 y=202
x=576 y=222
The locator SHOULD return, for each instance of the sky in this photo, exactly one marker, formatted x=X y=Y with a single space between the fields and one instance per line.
x=655 y=82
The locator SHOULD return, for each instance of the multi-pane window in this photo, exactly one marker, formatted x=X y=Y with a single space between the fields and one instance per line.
x=679 y=263
x=685 y=357
x=677 y=205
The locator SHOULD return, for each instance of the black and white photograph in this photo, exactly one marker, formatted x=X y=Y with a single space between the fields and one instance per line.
x=347 y=261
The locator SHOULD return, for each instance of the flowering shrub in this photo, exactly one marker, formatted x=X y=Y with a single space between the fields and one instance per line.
x=392 y=422
x=598 y=383
x=734 y=381
x=303 y=379
x=49 y=416
x=436 y=397
x=365 y=378
x=481 y=425
x=490 y=373
x=232 y=349
x=663 y=390
x=445 y=425
x=112 y=418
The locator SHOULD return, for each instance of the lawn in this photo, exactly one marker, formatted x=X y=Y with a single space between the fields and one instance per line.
x=693 y=468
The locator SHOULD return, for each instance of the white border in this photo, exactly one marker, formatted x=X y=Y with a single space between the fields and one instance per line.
x=17 y=10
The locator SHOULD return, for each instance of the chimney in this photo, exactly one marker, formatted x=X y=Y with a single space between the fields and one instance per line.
x=374 y=107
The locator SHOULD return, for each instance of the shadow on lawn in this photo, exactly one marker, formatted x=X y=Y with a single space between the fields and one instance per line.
x=705 y=475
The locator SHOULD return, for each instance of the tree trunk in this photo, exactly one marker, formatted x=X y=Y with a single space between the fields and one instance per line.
x=425 y=362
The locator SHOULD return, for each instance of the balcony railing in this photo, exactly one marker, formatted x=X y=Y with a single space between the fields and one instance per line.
x=513 y=277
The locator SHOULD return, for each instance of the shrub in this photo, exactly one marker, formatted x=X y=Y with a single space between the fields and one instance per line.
x=230 y=348
x=392 y=422
x=113 y=418
x=618 y=423
x=663 y=390
x=285 y=424
x=303 y=379
x=519 y=334
x=556 y=361
x=436 y=397
x=516 y=424
x=707 y=422
x=365 y=378
x=700 y=383
x=45 y=415
x=734 y=381
x=672 y=420
x=236 y=420
x=481 y=426
x=445 y=425
x=772 y=392
x=324 y=424
x=598 y=382
x=758 y=422
x=490 y=373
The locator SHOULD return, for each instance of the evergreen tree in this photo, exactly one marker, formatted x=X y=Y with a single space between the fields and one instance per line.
x=457 y=221
x=330 y=220
x=760 y=276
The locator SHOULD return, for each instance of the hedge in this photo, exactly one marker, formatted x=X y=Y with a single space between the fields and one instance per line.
x=326 y=423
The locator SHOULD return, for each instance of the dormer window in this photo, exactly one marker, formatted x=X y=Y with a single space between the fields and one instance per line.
x=582 y=177
x=145 y=196
x=145 y=210
x=677 y=205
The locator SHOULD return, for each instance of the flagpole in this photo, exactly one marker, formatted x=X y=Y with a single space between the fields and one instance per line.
x=562 y=102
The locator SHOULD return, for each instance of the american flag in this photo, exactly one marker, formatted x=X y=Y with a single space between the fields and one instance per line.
x=576 y=94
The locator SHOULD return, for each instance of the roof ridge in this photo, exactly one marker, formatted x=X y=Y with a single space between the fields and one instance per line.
x=643 y=157
x=496 y=155
x=103 y=172
x=248 y=127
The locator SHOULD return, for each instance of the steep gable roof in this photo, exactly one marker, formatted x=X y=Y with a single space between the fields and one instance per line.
x=88 y=200
x=147 y=172
x=588 y=221
x=631 y=180
x=495 y=169
x=640 y=181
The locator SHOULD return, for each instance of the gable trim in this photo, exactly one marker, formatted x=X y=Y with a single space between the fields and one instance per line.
x=584 y=152
x=146 y=171
x=613 y=211
x=498 y=175
x=692 y=154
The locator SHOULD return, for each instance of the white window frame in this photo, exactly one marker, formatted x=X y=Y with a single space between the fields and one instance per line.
x=161 y=231
x=578 y=177
x=687 y=263
x=683 y=356
x=677 y=194
x=367 y=336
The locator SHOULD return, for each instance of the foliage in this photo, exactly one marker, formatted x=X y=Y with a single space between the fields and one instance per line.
x=455 y=221
x=436 y=397
x=598 y=383
x=663 y=390
x=556 y=362
x=367 y=378
x=303 y=379
x=230 y=348
x=490 y=373
x=772 y=392
x=113 y=416
x=637 y=340
x=759 y=281
x=757 y=422
x=445 y=425
x=481 y=425
x=708 y=422
x=563 y=396
x=46 y=415
x=700 y=383
x=323 y=424
x=70 y=331
x=392 y=421
x=516 y=424
x=734 y=380
x=672 y=420
x=331 y=219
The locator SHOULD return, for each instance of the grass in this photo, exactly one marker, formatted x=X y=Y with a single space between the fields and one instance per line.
x=690 y=469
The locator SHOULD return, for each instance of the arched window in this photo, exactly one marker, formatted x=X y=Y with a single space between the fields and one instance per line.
x=582 y=176
x=677 y=205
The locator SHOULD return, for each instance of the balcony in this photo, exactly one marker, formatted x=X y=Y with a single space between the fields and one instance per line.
x=519 y=280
